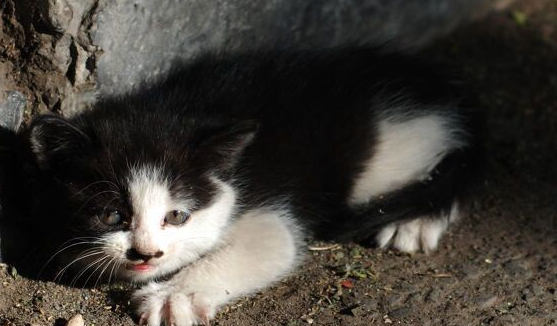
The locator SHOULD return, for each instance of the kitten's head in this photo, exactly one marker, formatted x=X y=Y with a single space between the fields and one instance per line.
x=133 y=196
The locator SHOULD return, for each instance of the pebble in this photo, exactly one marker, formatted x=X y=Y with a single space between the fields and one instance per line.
x=395 y=299
x=518 y=269
x=472 y=272
x=486 y=301
x=401 y=312
x=537 y=290
x=436 y=295
x=370 y=304
x=76 y=320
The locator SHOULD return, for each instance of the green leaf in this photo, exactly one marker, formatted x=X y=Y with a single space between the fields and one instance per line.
x=520 y=18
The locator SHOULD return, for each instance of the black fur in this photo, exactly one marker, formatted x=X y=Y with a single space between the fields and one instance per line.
x=294 y=127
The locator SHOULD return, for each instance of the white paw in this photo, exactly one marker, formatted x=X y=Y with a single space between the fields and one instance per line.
x=418 y=234
x=159 y=304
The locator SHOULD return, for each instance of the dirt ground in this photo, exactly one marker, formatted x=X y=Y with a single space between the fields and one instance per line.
x=498 y=266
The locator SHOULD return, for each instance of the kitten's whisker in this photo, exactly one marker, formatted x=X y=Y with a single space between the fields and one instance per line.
x=63 y=270
x=66 y=248
x=84 y=254
x=86 y=268
x=100 y=263
x=113 y=271
x=110 y=201
x=106 y=265
x=96 y=195
x=94 y=183
x=81 y=238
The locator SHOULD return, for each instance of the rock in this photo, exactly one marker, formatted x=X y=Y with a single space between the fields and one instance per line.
x=66 y=16
x=81 y=73
x=436 y=295
x=62 y=58
x=472 y=272
x=370 y=304
x=76 y=320
x=395 y=299
x=142 y=38
x=519 y=269
x=11 y=110
x=486 y=301
x=401 y=312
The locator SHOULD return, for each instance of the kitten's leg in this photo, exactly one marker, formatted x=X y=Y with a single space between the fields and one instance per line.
x=407 y=151
x=259 y=249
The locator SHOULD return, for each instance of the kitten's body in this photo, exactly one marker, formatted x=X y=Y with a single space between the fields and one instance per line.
x=260 y=150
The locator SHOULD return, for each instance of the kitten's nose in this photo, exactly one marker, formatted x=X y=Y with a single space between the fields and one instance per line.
x=134 y=254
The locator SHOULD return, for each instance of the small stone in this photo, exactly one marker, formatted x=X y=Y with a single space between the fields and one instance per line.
x=76 y=320
x=435 y=295
x=401 y=312
x=11 y=111
x=486 y=301
x=395 y=299
x=358 y=311
x=62 y=58
x=370 y=304
x=518 y=269
x=537 y=290
x=472 y=272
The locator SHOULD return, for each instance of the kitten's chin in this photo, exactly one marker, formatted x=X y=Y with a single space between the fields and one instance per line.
x=138 y=276
x=142 y=273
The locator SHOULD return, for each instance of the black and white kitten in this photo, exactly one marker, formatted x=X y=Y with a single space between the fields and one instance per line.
x=204 y=186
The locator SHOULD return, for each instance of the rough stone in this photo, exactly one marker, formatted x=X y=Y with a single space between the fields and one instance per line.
x=62 y=58
x=67 y=16
x=11 y=110
x=104 y=47
x=401 y=312
x=141 y=39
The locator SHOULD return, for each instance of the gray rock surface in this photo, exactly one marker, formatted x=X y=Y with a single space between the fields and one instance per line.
x=141 y=38
x=75 y=50
x=11 y=110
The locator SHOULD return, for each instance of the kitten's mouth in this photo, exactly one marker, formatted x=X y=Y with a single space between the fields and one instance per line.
x=143 y=267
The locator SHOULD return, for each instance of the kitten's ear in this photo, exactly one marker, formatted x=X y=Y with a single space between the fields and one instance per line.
x=54 y=139
x=229 y=143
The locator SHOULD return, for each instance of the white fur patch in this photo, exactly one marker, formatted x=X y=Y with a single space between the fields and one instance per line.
x=151 y=200
x=406 y=151
x=260 y=248
x=422 y=233
x=181 y=244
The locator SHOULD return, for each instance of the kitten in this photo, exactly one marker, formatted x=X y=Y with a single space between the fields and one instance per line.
x=204 y=186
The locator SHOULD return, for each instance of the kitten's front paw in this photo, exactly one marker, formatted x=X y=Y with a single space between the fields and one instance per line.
x=421 y=233
x=159 y=304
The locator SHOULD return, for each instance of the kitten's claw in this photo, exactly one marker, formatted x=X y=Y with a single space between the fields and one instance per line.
x=143 y=319
x=157 y=304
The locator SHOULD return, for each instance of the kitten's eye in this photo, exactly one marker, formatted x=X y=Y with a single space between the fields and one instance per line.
x=176 y=217
x=111 y=217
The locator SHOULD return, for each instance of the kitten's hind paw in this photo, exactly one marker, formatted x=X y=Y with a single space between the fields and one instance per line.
x=158 y=305
x=418 y=234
